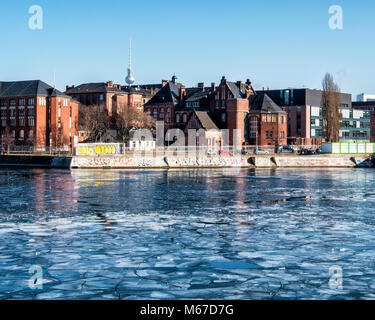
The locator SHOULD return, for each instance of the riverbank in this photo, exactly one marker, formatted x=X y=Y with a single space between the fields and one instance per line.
x=176 y=162
x=252 y=161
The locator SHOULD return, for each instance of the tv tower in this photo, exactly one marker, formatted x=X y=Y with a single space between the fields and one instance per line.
x=130 y=79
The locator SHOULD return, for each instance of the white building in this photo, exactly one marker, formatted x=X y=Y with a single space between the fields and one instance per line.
x=365 y=97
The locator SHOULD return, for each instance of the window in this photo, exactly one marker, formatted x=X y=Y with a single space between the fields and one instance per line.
x=21 y=135
x=223 y=104
x=21 y=117
x=42 y=101
x=177 y=118
x=161 y=114
x=30 y=117
x=21 y=102
x=184 y=118
x=3 y=103
x=169 y=115
x=12 y=103
x=217 y=104
x=12 y=116
x=155 y=114
x=286 y=98
x=269 y=134
x=101 y=97
x=30 y=101
x=223 y=117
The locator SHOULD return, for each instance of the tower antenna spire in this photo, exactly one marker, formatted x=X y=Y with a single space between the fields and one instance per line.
x=130 y=79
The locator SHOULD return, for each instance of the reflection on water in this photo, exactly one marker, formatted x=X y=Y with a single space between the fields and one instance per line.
x=212 y=234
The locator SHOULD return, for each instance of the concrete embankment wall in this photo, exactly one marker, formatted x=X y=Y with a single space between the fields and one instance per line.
x=285 y=161
x=44 y=161
x=118 y=162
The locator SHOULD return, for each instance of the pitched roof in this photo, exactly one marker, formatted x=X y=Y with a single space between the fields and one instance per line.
x=28 y=88
x=136 y=90
x=94 y=87
x=236 y=91
x=264 y=104
x=196 y=94
x=205 y=120
x=170 y=93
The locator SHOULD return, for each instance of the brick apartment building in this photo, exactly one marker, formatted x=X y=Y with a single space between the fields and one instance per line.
x=113 y=96
x=32 y=113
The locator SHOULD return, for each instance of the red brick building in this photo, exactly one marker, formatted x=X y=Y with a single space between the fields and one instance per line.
x=266 y=122
x=113 y=96
x=32 y=113
x=163 y=104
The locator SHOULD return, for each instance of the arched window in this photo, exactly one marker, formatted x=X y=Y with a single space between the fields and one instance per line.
x=184 y=118
x=178 y=118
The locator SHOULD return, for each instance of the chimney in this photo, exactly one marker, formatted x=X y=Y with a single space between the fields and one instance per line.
x=163 y=82
x=182 y=92
x=223 y=80
x=201 y=85
x=249 y=89
x=239 y=85
x=213 y=86
x=109 y=83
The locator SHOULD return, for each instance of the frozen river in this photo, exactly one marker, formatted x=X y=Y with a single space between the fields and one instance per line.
x=201 y=234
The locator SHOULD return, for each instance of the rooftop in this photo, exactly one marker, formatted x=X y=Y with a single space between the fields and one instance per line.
x=28 y=88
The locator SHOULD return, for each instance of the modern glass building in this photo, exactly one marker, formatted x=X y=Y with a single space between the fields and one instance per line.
x=355 y=124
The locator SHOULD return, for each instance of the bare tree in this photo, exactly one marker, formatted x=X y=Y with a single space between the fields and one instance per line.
x=331 y=102
x=94 y=120
x=131 y=118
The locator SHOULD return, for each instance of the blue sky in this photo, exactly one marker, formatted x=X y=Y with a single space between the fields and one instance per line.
x=277 y=44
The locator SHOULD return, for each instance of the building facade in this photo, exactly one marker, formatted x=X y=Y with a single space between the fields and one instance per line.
x=113 y=96
x=32 y=113
x=163 y=104
x=363 y=97
x=267 y=122
x=305 y=116
x=369 y=108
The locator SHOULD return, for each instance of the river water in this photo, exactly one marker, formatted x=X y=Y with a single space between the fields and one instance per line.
x=187 y=234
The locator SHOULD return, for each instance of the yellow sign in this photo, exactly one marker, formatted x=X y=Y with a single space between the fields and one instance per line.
x=96 y=149
x=84 y=151
x=108 y=149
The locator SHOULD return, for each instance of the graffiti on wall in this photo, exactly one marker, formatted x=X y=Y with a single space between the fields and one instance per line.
x=314 y=162
x=116 y=162
x=207 y=162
